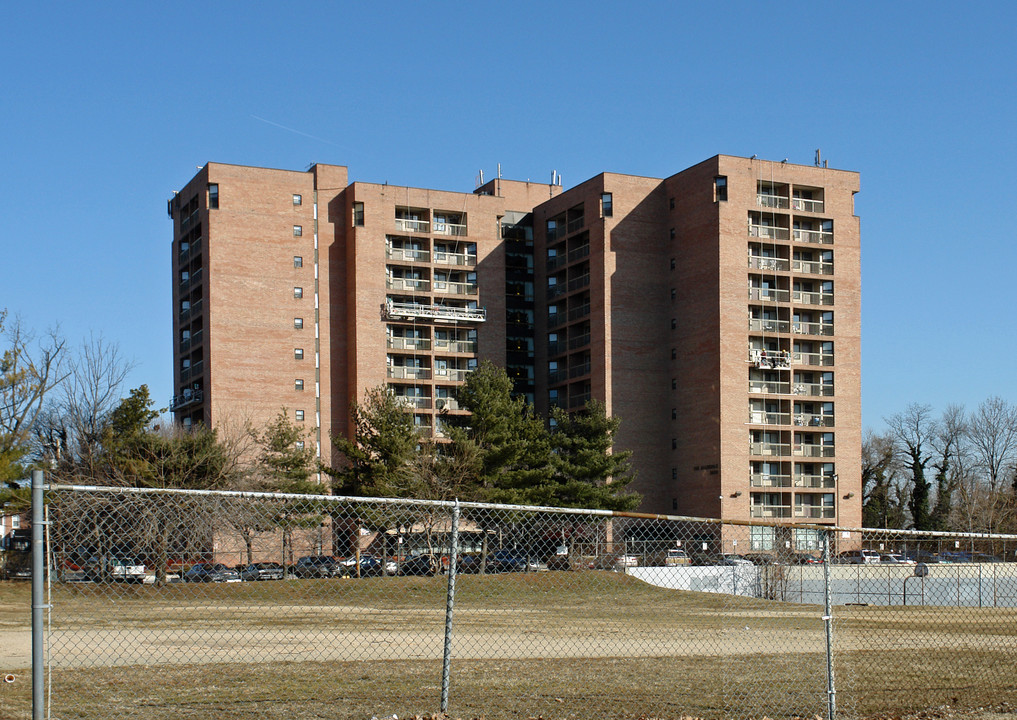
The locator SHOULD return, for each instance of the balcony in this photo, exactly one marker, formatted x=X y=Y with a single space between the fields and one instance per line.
x=812 y=298
x=812 y=328
x=758 y=417
x=769 y=511
x=557 y=376
x=767 y=200
x=192 y=340
x=579 y=312
x=447 y=403
x=448 y=228
x=811 y=358
x=411 y=311
x=814 y=451
x=556 y=261
x=579 y=341
x=770 y=232
x=818 y=237
x=190 y=309
x=810 y=267
x=579 y=400
x=402 y=372
x=769 y=480
x=407 y=284
x=407 y=254
x=770 y=387
x=454 y=288
x=814 y=511
x=452 y=374
x=768 y=449
x=815 y=481
x=769 y=325
x=456 y=346
x=580 y=370
x=188 y=397
x=450 y=258
x=759 y=262
x=807 y=205
x=579 y=253
x=769 y=359
x=412 y=225
x=575 y=224
x=408 y=343
x=410 y=401
x=813 y=420
x=769 y=294
x=813 y=389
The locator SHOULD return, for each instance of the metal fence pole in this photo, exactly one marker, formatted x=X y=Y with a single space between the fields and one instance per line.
x=38 y=596
x=831 y=689
x=453 y=554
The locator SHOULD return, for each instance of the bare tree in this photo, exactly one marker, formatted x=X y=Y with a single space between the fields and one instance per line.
x=949 y=444
x=881 y=482
x=993 y=436
x=914 y=431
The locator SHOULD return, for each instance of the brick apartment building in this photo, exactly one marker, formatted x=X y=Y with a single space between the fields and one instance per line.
x=716 y=312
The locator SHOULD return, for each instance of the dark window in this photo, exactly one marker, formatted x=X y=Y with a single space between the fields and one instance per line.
x=298 y=231
x=672 y=203
x=674 y=473
x=674 y=294
x=358 y=214
x=674 y=263
x=674 y=354
x=298 y=353
x=298 y=262
x=606 y=205
x=674 y=383
x=298 y=384
x=674 y=413
x=299 y=415
x=673 y=234
x=298 y=323
x=674 y=443
x=298 y=292
x=297 y=200
x=674 y=503
x=674 y=323
x=213 y=196
x=720 y=188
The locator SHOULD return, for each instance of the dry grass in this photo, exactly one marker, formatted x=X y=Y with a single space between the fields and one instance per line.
x=549 y=645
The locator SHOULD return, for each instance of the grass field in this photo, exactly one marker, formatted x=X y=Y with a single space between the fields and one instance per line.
x=553 y=645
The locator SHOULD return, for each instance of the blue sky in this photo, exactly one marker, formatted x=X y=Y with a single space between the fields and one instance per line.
x=109 y=107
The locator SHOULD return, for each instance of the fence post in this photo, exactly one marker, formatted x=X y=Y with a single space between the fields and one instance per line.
x=831 y=689
x=38 y=596
x=453 y=556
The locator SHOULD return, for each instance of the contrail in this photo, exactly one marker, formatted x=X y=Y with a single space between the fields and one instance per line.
x=298 y=132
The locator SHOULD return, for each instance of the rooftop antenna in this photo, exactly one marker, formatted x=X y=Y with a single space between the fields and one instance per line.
x=817 y=158
x=480 y=178
x=499 y=171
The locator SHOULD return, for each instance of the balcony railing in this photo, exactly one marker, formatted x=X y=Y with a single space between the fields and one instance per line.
x=556 y=261
x=821 y=359
x=813 y=389
x=446 y=403
x=190 y=310
x=400 y=372
x=818 y=237
x=193 y=340
x=769 y=294
x=579 y=312
x=757 y=417
x=759 y=262
x=408 y=343
x=188 y=397
x=407 y=284
x=812 y=268
x=410 y=401
x=455 y=288
x=771 y=232
x=555 y=348
x=579 y=370
x=771 y=201
x=770 y=511
x=403 y=310
x=770 y=359
x=416 y=226
x=803 y=205
x=407 y=254
x=447 y=258
x=580 y=341
x=579 y=400
x=575 y=224
x=814 y=481
x=814 y=511
x=456 y=346
x=813 y=420
x=447 y=228
x=812 y=328
x=803 y=450
x=768 y=325
x=772 y=388
x=557 y=376
x=769 y=480
x=770 y=449
x=579 y=253
x=452 y=374
x=812 y=298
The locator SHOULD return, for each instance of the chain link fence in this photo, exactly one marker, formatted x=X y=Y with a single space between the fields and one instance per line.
x=178 y=604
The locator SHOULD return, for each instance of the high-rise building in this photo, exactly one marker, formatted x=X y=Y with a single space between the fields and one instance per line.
x=716 y=312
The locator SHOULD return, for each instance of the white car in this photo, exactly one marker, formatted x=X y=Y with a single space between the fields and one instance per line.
x=114 y=569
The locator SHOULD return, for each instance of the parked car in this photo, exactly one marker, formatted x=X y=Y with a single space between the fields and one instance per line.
x=211 y=572
x=262 y=571
x=804 y=559
x=676 y=556
x=858 y=557
x=509 y=561
x=626 y=560
x=419 y=565
x=318 y=566
x=370 y=566
x=111 y=568
x=894 y=559
x=762 y=558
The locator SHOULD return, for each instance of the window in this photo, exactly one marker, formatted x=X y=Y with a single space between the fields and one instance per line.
x=298 y=230
x=297 y=200
x=674 y=473
x=674 y=413
x=674 y=503
x=298 y=323
x=720 y=189
x=358 y=214
x=674 y=383
x=674 y=443
x=673 y=234
x=213 y=196
x=298 y=262
x=606 y=205
x=299 y=415
x=298 y=292
x=15 y=522
x=762 y=538
x=674 y=264
x=298 y=353
x=298 y=384
x=674 y=354
x=674 y=323
x=672 y=203
x=674 y=294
